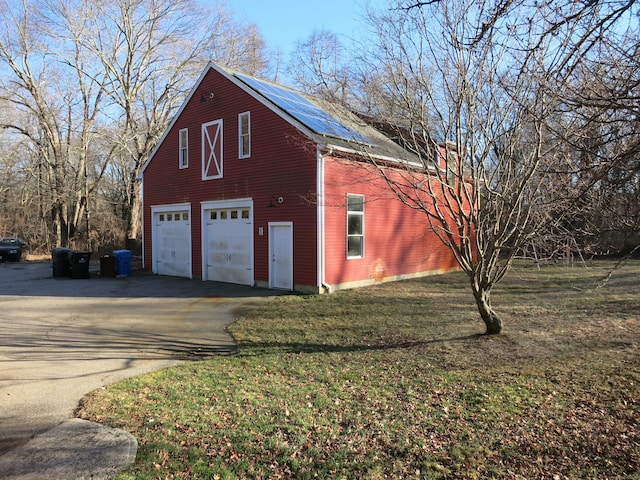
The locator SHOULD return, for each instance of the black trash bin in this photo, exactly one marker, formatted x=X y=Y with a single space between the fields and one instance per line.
x=107 y=266
x=61 y=260
x=80 y=264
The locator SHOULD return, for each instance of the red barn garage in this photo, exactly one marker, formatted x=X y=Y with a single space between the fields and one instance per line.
x=256 y=184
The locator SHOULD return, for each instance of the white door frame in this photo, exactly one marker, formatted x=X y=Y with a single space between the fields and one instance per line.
x=155 y=209
x=213 y=162
x=271 y=255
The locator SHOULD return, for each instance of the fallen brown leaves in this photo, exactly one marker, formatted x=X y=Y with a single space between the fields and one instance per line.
x=392 y=382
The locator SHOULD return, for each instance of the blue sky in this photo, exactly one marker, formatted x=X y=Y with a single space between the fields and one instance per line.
x=285 y=22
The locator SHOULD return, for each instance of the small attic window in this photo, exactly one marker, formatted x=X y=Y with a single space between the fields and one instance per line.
x=244 y=135
x=183 y=149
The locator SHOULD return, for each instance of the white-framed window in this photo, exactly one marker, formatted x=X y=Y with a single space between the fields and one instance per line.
x=355 y=226
x=184 y=148
x=244 y=135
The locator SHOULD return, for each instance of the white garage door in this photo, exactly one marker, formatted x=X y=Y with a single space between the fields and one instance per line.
x=172 y=240
x=228 y=244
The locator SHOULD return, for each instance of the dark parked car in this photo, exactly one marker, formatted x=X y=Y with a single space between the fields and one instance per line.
x=11 y=249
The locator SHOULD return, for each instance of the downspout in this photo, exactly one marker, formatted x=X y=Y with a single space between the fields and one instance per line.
x=321 y=224
x=142 y=229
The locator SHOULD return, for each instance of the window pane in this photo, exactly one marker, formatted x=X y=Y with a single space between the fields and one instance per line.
x=354 y=246
x=245 y=213
x=234 y=213
x=185 y=216
x=355 y=203
x=183 y=153
x=355 y=225
x=223 y=215
x=214 y=215
x=244 y=127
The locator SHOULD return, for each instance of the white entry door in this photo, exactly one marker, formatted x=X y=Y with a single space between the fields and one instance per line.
x=172 y=242
x=281 y=255
x=228 y=244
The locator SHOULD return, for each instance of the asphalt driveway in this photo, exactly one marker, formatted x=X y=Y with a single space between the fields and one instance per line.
x=61 y=338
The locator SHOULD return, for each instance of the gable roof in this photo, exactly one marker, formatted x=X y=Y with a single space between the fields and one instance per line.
x=330 y=125
x=303 y=109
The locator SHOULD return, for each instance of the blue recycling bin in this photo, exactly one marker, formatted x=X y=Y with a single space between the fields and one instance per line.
x=123 y=262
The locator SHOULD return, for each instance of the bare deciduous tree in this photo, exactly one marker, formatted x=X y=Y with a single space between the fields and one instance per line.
x=151 y=51
x=480 y=81
x=57 y=107
x=318 y=67
x=94 y=81
x=601 y=126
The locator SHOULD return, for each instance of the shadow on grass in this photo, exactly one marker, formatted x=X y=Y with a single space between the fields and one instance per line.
x=249 y=348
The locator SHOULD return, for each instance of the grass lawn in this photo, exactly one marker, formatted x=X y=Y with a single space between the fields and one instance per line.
x=393 y=381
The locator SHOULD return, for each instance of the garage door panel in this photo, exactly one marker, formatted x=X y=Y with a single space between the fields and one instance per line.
x=173 y=269
x=226 y=274
x=173 y=244
x=229 y=245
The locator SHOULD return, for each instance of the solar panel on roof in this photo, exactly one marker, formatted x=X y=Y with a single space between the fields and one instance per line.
x=303 y=110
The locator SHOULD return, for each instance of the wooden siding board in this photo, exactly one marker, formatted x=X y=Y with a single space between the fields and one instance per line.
x=398 y=239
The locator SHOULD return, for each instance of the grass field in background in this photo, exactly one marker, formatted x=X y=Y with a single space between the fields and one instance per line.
x=394 y=381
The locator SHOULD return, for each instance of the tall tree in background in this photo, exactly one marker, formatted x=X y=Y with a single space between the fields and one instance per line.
x=479 y=84
x=151 y=51
x=86 y=83
x=601 y=125
x=317 y=66
x=593 y=71
x=54 y=107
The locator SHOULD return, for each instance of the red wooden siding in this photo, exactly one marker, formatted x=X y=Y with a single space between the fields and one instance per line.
x=282 y=164
x=398 y=240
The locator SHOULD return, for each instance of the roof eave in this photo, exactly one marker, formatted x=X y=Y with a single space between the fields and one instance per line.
x=328 y=148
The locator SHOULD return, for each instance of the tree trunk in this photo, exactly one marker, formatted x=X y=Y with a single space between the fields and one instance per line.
x=134 y=223
x=488 y=315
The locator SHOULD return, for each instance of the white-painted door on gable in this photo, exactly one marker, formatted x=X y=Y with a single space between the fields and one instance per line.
x=281 y=255
x=228 y=244
x=212 y=151
x=172 y=241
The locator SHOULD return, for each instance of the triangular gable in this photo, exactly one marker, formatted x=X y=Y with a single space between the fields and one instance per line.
x=175 y=118
x=229 y=75
x=367 y=140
